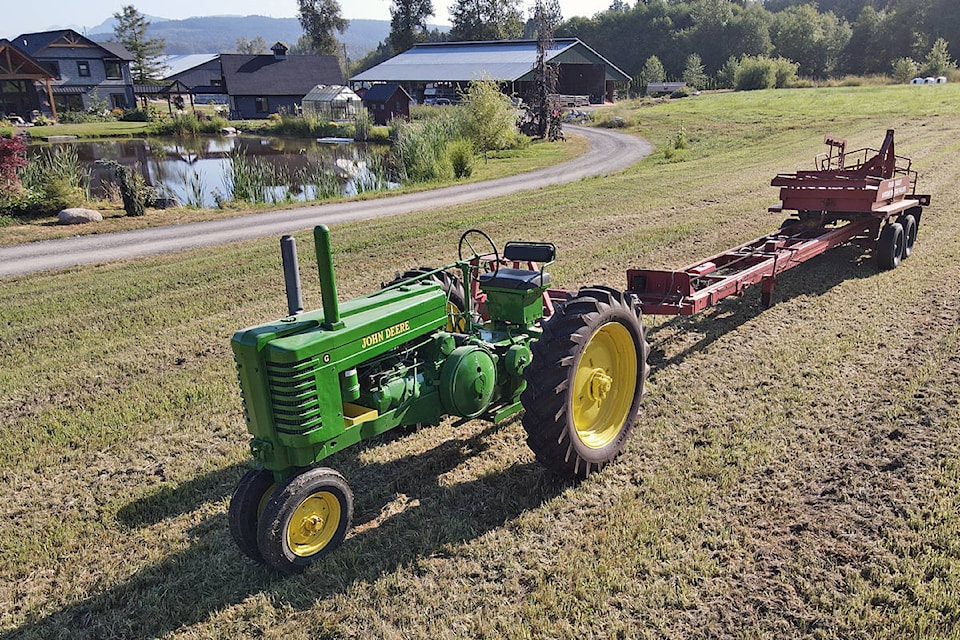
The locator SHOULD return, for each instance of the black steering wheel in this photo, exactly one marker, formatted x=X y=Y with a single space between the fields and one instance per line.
x=491 y=265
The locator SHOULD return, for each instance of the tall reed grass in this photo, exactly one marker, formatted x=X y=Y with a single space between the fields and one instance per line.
x=59 y=163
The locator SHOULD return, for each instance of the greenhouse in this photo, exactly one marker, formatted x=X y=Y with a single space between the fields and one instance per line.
x=334 y=102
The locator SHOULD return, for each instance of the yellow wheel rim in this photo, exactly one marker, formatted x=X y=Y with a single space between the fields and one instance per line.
x=265 y=498
x=604 y=385
x=314 y=523
x=455 y=320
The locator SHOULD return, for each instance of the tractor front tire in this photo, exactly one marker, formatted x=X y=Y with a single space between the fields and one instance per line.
x=306 y=518
x=247 y=503
x=585 y=383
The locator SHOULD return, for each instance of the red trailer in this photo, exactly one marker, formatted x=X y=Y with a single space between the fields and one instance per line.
x=867 y=196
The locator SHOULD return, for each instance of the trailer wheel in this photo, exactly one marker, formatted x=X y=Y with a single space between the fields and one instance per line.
x=585 y=382
x=909 y=224
x=890 y=246
x=451 y=285
x=246 y=505
x=306 y=518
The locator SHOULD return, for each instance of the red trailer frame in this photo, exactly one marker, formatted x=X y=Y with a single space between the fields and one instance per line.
x=852 y=196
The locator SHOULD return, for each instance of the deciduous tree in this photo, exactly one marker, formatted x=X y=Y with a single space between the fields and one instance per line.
x=408 y=23
x=251 y=47
x=486 y=20
x=320 y=19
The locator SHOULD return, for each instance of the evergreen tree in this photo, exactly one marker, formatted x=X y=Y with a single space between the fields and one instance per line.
x=693 y=75
x=938 y=61
x=320 y=19
x=652 y=71
x=131 y=32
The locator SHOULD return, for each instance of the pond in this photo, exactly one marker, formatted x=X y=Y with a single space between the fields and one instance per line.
x=205 y=170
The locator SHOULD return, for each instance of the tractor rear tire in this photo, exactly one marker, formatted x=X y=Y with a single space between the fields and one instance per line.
x=247 y=503
x=890 y=246
x=585 y=383
x=306 y=518
x=451 y=285
x=909 y=224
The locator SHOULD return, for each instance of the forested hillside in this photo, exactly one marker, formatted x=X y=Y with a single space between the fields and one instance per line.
x=827 y=39
x=219 y=34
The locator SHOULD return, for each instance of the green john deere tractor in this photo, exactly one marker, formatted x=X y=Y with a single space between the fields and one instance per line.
x=481 y=338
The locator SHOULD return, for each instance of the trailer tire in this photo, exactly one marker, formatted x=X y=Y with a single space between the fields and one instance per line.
x=890 y=246
x=451 y=285
x=585 y=383
x=246 y=505
x=909 y=224
x=306 y=518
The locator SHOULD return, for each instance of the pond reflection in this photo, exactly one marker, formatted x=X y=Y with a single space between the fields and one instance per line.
x=204 y=171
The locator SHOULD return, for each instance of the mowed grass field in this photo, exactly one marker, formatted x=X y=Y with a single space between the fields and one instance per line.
x=795 y=471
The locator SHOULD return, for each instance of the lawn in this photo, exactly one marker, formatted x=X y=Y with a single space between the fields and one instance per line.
x=795 y=471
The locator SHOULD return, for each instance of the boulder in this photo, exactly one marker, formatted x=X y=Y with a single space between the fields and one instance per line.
x=77 y=215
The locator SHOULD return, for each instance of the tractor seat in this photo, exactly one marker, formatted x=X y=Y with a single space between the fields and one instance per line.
x=518 y=279
x=522 y=279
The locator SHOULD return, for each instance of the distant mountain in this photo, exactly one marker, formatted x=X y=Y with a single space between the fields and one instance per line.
x=219 y=34
x=107 y=25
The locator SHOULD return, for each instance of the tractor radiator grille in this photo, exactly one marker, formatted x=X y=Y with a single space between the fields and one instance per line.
x=293 y=393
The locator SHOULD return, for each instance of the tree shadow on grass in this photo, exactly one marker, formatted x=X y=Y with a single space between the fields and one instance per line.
x=406 y=510
x=812 y=278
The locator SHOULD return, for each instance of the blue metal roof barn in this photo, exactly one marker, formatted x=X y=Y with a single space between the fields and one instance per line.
x=453 y=65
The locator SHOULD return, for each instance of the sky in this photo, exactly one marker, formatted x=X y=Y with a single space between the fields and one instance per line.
x=26 y=17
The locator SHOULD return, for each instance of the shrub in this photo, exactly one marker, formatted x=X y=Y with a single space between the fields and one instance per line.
x=461 y=158
x=755 y=73
x=135 y=115
x=59 y=194
x=491 y=122
x=12 y=157
x=362 y=126
x=420 y=151
x=904 y=70
x=785 y=73
x=133 y=188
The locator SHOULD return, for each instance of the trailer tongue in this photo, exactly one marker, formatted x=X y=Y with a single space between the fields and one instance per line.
x=867 y=196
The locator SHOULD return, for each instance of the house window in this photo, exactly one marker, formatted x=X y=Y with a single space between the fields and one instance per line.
x=13 y=86
x=83 y=69
x=261 y=105
x=114 y=70
x=118 y=101
x=53 y=68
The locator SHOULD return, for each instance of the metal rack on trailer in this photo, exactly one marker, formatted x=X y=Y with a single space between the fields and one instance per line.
x=866 y=196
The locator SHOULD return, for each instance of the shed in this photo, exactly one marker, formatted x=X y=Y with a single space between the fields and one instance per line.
x=331 y=101
x=386 y=101
x=664 y=87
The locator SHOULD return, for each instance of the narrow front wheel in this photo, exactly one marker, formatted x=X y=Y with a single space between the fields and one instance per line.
x=305 y=519
x=246 y=505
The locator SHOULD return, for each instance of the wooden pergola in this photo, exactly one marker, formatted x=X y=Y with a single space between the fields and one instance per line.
x=16 y=65
x=144 y=91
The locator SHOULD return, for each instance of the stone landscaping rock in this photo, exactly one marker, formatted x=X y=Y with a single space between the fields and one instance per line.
x=77 y=215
